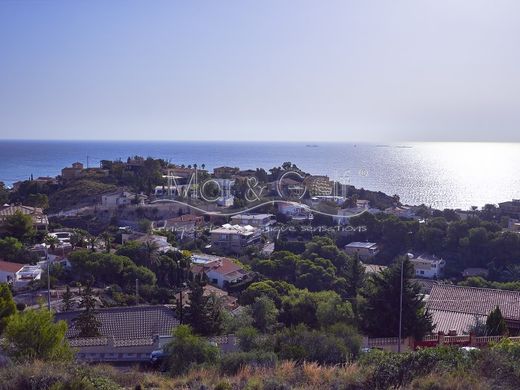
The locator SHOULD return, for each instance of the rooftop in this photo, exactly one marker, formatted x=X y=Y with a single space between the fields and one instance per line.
x=128 y=323
x=474 y=301
x=7 y=266
x=356 y=244
x=235 y=229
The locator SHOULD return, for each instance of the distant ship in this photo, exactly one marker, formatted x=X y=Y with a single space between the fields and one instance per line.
x=312 y=146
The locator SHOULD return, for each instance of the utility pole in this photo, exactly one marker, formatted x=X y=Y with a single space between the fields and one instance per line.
x=400 y=308
x=48 y=284
x=181 y=309
x=137 y=292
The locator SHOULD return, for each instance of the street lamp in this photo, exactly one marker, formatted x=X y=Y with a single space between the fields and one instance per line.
x=401 y=308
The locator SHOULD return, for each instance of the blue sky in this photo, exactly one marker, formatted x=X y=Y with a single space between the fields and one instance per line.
x=261 y=70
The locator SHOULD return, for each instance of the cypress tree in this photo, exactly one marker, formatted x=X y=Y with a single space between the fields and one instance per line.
x=495 y=323
x=87 y=323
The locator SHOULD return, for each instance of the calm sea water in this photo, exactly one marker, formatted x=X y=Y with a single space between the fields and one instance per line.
x=455 y=175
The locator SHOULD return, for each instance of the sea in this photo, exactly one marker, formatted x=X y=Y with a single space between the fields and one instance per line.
x=441 y=175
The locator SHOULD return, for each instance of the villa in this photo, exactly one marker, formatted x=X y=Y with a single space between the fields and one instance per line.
x=220 y=271
x=365 y=250
x=427 y=266
x=255 y=220
x=235 y=238
x=39 y=219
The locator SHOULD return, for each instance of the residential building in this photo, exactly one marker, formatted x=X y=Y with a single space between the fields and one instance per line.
x=18 y=275
x=287 y=187
x=72 y=172
x=160 y=241
x=319 y=185
x=342 y=217
x=121 y=198
x=256 y=220
x=338 y=200
x=373 y=268
x=454 y=308
x=27 y=274
x=511 y=208
x=127 y=334
x=220 y=271
x=401 y=212
x=365 y=250
x=296 y=211
x=39 y=219
x=426 y=265
x=185 y=225
x=225 y=172
x=235 y=238
x=9 y=271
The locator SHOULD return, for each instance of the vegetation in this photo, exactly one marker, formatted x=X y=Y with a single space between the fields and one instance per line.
x=33 y=334
x=87 y=323
x=7 y=306
x=443 y=368
x=380 y=309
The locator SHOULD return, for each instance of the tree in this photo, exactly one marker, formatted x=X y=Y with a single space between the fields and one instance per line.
x=355 y=276
x=51 y=241
x=77 y=238
x=495 y=323
x=202 y=312
x=92 y=240
x=380 y=311
x=33 y=334
x=67 y=302
x=187 y=349
x=10 y=248
x=264 y=313
x=7 y=305
x=19 y=225
x=86 y=323
x=106 y=237
x=151 y=252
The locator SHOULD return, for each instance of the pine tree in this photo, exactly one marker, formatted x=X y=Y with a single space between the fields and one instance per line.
x=7 y=305
x=203 y=312
x=87 y=323
x=495 y=323
x=67 y=302
x=355 y=276
x=380 y=311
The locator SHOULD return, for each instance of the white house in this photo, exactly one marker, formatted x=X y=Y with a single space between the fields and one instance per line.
x=9 y=271
x=297 y=211
x=365 y=250
x=220 y=271
x=235 y=238
x=427 y=266
x=121 y=198
x=255 y=220
x=27 y=274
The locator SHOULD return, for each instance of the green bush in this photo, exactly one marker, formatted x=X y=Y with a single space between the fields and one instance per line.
x=386 y=369
x=231 y=363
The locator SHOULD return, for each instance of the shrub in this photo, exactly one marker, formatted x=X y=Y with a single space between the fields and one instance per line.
x=187 y=350
x=231 y=363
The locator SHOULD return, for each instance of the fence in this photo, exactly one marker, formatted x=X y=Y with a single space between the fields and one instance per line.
x=390 y=343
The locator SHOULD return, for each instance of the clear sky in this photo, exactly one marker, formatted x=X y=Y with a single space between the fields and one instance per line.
x=334 y=70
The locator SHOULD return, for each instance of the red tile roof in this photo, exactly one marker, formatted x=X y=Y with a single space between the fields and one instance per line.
x=7 y=266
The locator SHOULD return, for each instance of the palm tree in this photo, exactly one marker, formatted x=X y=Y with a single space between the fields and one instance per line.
x=203 y=166
x=91 y=239
x=51 y=241
x=106 y=237
x=151 y=251
x=77 y=238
